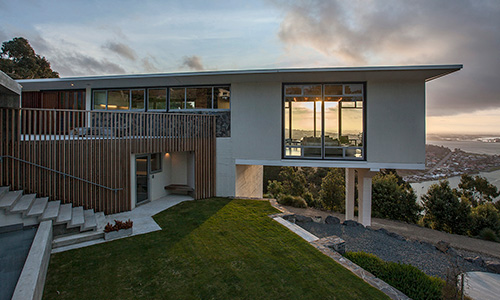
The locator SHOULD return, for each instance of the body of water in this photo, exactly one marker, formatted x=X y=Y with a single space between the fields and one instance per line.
x=470 y=146
x=467 y=146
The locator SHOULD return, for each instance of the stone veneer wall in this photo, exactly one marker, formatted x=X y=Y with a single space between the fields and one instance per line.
x=222 y=121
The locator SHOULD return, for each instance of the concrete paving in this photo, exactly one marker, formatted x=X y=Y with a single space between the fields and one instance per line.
x=142 y=216
x=482 y=285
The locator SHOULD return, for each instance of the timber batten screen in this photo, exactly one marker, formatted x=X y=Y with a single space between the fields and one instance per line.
x=83 y=157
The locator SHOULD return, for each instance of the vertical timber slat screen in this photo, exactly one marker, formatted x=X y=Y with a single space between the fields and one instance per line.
x=83 y=157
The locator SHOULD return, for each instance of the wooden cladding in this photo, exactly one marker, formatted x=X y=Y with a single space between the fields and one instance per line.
x=84 y=157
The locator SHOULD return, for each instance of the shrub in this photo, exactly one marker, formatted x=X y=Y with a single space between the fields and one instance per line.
x=118 y=225
x=406 y=278
x=290 y=200
x=394 y=200
x=488 y=234
x=485 y=216
x=275 y=188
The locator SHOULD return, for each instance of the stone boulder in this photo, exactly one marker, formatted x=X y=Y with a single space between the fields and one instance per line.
x=443 y=246
x=332 y=220
x=303 y=219
x=352 y=223
x=493 y=266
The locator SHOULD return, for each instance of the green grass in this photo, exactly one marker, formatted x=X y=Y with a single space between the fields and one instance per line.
x=208 y=249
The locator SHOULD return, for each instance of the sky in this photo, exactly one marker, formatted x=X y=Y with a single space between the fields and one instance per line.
x=124 y=37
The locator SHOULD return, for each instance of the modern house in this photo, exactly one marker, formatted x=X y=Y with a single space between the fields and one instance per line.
x=112 y=142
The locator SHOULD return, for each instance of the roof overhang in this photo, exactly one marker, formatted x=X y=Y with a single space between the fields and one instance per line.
x=342 y=74
x=9 y=85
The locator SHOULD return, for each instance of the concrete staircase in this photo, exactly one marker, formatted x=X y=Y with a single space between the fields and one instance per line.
x=74 y=224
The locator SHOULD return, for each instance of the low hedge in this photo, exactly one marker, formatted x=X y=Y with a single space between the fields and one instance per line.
x=290 y=200
x=406 y=278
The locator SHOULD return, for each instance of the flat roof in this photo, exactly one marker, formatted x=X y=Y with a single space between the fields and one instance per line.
x=417 y=72
x=9 y=85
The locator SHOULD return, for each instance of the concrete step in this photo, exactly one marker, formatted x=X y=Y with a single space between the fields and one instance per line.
x=77 y=218
x=24 y=204
x=9 y=199
x=76 y=239
x=38 y=207
x=3 y=190
x=101 y=220
x=90 y=220
x=51 y=211
x=65 y=212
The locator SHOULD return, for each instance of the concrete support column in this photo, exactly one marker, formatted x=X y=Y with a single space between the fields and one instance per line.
x=365 y=196
x=249 y=181
x=349 y=193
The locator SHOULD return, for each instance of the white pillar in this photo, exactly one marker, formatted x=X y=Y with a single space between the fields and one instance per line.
x=349 y=193
x=365 y=197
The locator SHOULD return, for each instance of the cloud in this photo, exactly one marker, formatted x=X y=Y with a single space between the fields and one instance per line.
x=148 y=66
x=389 y=32
x=121 y=49
x=193 y=63
x=69 y=61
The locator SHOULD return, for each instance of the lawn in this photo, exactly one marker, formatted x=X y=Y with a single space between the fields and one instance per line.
x=208 y=249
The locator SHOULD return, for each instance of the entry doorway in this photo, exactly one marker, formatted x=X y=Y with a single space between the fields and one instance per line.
x=146 y=166
x=142 y=178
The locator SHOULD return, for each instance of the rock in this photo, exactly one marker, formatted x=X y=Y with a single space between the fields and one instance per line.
x=478 y=261
x=317 y=219
x=337 y=244
x=304 y=219
x=427 y=244
x=352 y=223
x=443 y=246
x=493 y=266
x=332 y=220
x=396 y=236
x=289 y=218
x=451 y=251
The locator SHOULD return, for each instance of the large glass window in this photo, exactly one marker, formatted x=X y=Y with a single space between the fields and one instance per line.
x=158 y=98
x=323 y=121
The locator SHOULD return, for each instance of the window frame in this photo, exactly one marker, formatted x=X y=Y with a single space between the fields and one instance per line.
x=323 y=157
x=167 y=105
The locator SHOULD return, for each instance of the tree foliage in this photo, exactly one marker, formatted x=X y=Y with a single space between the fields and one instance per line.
x=393 y=199
x=477 y=189
x=444 y=210
x=485 y=216
x=332 y=192
x=19 y=61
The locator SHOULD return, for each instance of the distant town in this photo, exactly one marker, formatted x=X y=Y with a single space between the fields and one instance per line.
x=442 y=162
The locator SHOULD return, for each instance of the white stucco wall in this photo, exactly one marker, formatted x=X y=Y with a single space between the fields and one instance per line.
x=396 y=122
x=256 y=120
x=225 y=168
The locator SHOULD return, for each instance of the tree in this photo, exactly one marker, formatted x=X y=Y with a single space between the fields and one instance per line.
x=19 y=61
x=394 y=200
x=477 y=189
x=332 y=192
x=485 y=216
x=444 y=210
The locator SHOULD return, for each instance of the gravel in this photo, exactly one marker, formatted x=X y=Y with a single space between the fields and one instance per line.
x=394 y=248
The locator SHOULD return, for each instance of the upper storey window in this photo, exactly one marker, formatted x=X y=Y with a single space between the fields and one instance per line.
x=163 y=99
x=323 y=121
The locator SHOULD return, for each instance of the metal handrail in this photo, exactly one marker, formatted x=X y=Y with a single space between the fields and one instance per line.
x=59 y=172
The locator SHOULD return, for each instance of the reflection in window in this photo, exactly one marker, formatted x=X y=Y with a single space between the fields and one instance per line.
x=99 y=99
x=323 y=122
x=137 y=99
x=221 y=97
x=177 y=96
x=157 y=99
x=198 y=98
x=118 y=99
